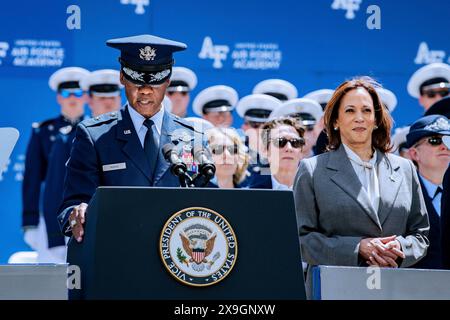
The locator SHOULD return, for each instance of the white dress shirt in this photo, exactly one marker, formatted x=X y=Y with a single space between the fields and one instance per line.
x=367 y=175
x=141 y=130
x=279 y=186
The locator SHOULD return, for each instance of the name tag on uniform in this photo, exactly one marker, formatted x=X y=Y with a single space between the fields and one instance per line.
x=114 y=166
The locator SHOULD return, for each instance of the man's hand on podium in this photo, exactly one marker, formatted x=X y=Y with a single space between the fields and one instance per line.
x=76 y=221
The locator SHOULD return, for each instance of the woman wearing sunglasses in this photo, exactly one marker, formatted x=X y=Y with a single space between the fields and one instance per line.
x=358 y=204
x=229 y=156
x=283 y=140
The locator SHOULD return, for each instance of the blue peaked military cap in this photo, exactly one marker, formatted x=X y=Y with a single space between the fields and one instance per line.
x=428 y=126
x=146 y=59
x=441 y=107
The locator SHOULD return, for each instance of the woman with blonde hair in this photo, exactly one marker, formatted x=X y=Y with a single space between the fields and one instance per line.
x=230 y=157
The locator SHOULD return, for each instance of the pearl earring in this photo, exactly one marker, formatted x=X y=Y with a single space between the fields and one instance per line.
x=335 y=128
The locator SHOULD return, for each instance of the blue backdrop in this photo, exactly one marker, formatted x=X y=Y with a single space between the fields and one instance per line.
x=313 y=44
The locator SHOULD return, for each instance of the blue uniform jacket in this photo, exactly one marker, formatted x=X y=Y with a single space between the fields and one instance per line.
x=263 y=182
x=433 y=259
x=445 y=220
x=107 y=152
x=54 y=184
x=42 y=138
x=257 y=164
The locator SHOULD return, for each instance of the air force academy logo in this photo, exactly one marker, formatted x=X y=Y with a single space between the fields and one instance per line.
x=140 y=5
x=350 y=6
x=198 y=247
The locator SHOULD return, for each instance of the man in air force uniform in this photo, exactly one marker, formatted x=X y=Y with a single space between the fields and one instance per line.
x=124 y=148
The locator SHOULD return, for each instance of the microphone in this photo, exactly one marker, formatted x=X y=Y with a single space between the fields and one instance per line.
x=170 y=153
x=206 y=166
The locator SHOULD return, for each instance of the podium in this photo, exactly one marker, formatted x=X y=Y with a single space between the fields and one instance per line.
x=121 y=255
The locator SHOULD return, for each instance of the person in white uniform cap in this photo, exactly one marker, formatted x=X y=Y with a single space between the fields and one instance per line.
x=182 y=82
x=200 y=124
x=215 y=104
x=308 y=112
x=39 y=229
x=388 y=98
x=278 y=88
x=321 y=96
x=430 y=83
x=255 y=109
x=399 y=145
x=103 y=87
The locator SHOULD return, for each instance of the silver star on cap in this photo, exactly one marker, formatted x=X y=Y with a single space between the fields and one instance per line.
x=147 y=53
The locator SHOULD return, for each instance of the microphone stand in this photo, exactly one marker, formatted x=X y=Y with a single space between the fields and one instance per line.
x=186 y=180
x=205 y=174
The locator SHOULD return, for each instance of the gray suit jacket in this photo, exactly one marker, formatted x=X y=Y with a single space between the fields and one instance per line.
x=334 y=212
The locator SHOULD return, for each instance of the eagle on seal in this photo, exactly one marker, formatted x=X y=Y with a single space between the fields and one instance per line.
x=197 y=248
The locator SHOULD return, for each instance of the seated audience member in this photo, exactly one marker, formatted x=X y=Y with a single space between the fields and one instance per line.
x=358 y=204
x=309 y=114
x=388 y=98
x=399 y=145
x=255 y=109
x=322 y=96
x=283 y=140
x=430 y=84
x=278 y=88
x=229 y=156
x=431 y=157
x=215 y=104
x=182 y=82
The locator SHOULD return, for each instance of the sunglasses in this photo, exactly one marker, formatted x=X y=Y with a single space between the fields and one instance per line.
x=442 y=93
x=254 y=124
x=434 y=141
x=282 y=142
x=219 y=149
x=183 y=93
x=66 y=93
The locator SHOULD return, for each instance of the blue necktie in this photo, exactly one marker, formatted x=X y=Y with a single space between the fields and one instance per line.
x=438 y=190
x=150 y=147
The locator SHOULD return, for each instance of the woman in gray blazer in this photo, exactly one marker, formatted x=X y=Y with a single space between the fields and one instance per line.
x=358 y=204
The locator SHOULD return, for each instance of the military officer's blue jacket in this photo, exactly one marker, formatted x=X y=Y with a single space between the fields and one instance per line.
x=262 y=182
x=445 y=220
x=257 y=164
x=54 y=184
x=42 y=138
x=107 y=152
